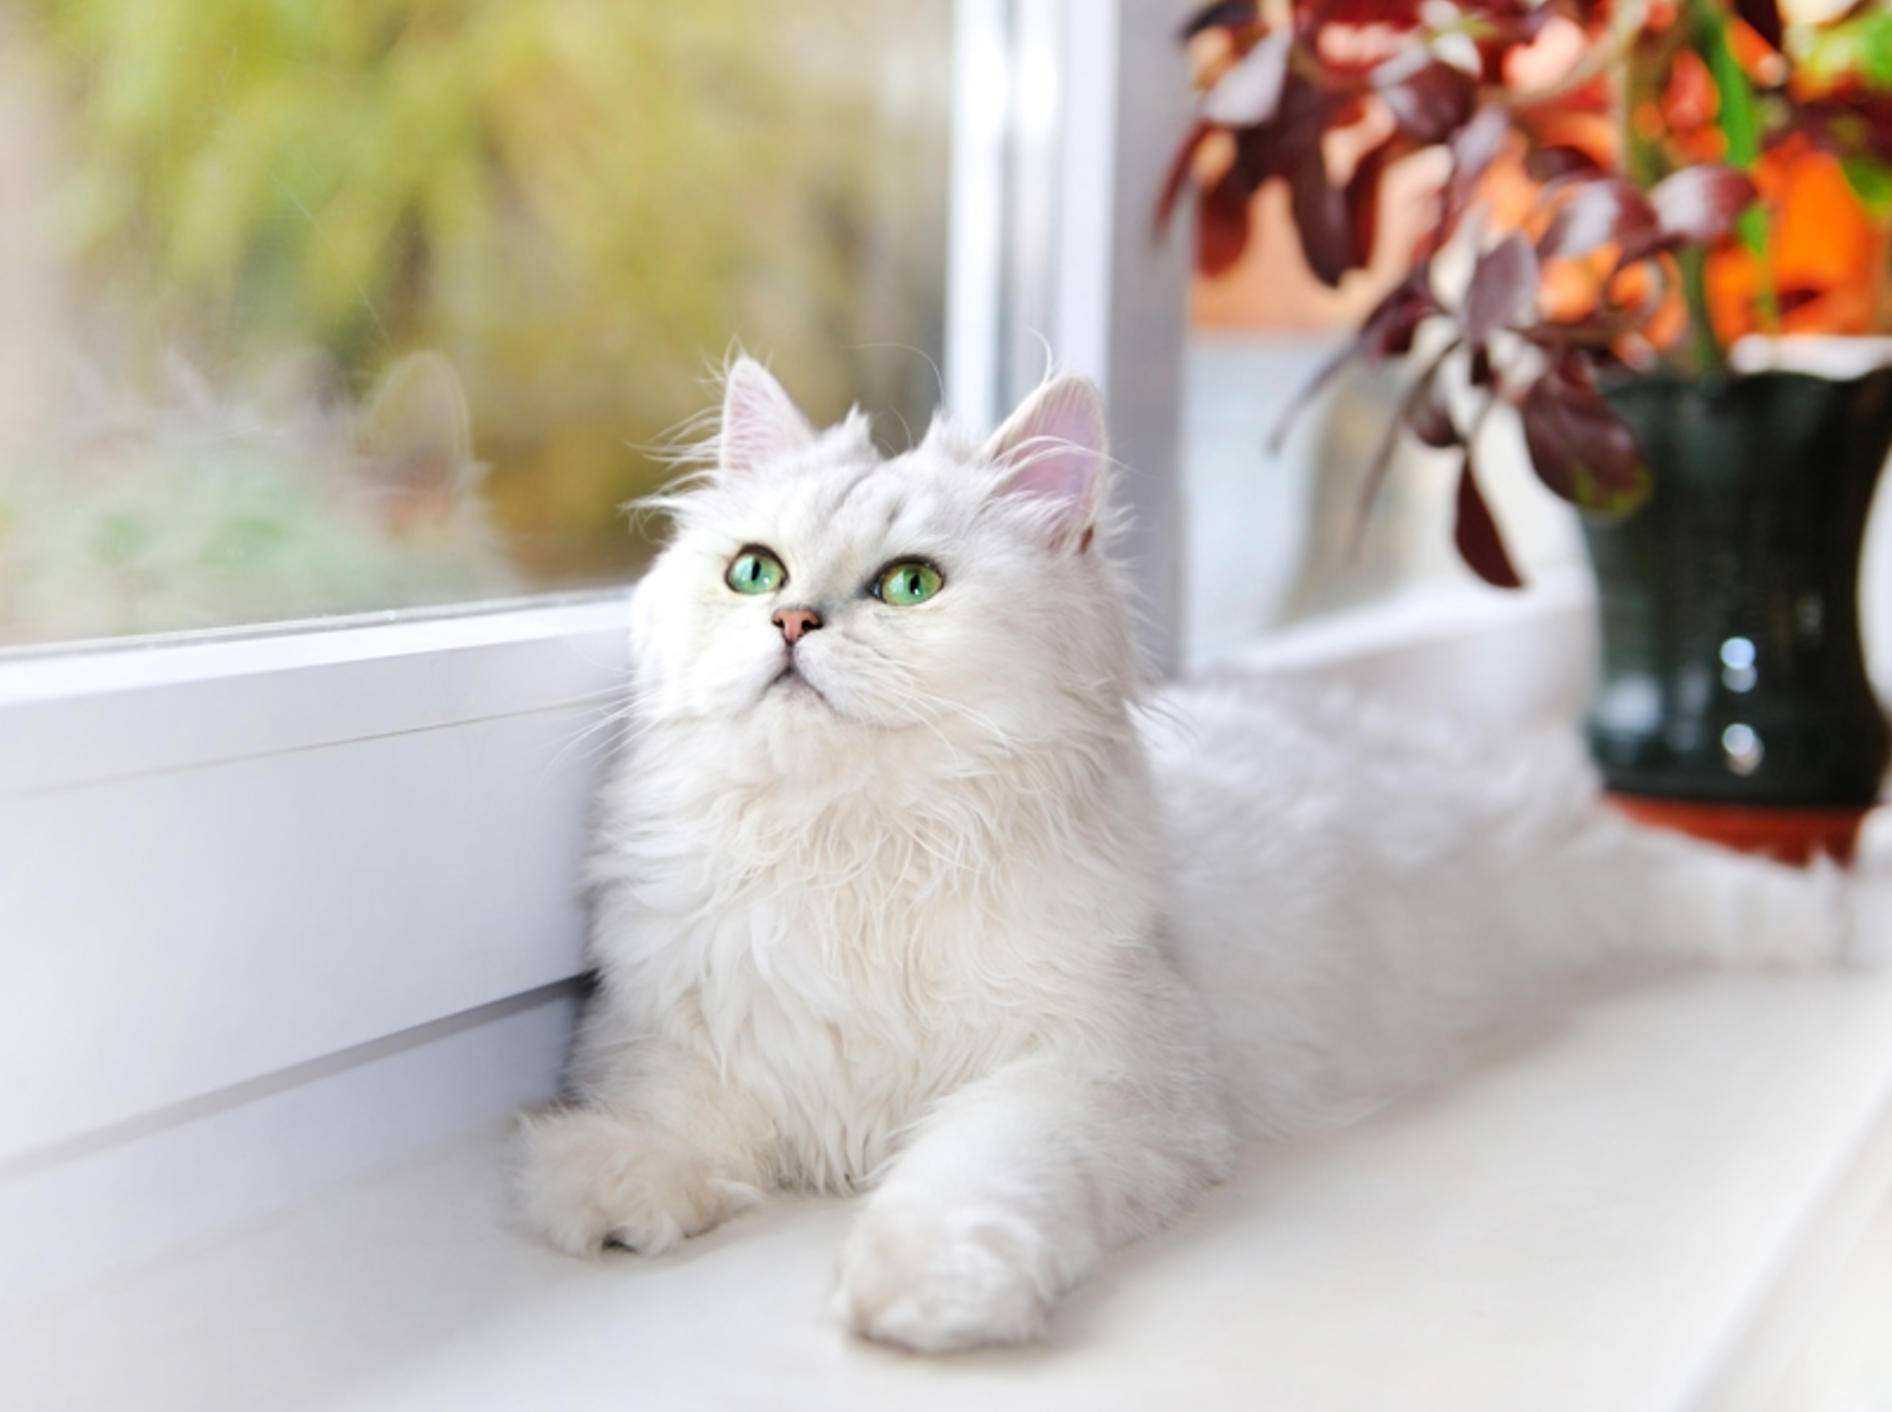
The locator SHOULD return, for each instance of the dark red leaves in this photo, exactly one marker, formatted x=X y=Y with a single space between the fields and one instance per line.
x=1475 y=533
x=1388 y=330
x=1580 y=448
x=1387 y=333
x=1221 y=226
x=1280 y=114
x=1502 y=27
x=1178 y=173
x=1286 y=91
x=1290 y=116
x=1226 y=14
x=1430 y=418
x=1763 y=16
x=1503 y=290
x=1257 y=155
x=1303 y=119
x=1854 y=121
x=1250 y=92
x=1596 y=213
x=1429 y=102
x=1476 y=146
x=1363 y=201
x=1695 y=205
x=1792 y=298
x=1321 y=218
x=1398 y=14
x=1557 y=160
x=1701 y=203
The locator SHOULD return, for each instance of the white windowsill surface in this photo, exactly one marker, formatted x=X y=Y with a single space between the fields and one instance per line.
x=1665 y=1201
x=1651 y=1207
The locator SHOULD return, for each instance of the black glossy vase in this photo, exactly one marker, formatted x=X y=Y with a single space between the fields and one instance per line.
x=1732 y=668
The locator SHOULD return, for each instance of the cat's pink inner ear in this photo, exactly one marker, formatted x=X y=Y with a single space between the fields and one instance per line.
x=1055 y=441
x=761 y=423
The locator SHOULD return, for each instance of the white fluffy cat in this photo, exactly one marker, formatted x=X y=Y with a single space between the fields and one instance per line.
x=897 y=887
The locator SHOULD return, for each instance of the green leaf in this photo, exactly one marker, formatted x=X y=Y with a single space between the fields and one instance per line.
x=1740 y=122
x=1738 y=116
x=1872 y=35
x=1871 y=181
x=1603 y=501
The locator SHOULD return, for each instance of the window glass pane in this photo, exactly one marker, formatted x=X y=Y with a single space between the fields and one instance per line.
x=1258 y=335
x=317 y=308
x=1299 y=519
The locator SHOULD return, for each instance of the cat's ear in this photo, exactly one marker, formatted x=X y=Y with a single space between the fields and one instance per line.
x=417 y=441
x=761 y=423
x=1054 y=446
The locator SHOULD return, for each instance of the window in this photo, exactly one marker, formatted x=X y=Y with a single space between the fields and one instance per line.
x=325 y=308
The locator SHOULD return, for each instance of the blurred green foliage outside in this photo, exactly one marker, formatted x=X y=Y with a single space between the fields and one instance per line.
x=582 y=203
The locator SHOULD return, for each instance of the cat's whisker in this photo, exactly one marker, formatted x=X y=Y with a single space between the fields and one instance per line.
x=994 y=733
x=588 y=734
x=913 y=702
x=910 y=695
x=621 y=692
x=939 y=378
x=620 y=706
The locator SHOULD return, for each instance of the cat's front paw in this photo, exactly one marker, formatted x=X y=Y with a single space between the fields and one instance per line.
x=943 y=1280
x=586 y=1179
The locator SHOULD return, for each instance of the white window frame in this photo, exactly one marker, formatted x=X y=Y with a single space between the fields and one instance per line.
x=1065 y=116
x=223 y=858
x=245 y=875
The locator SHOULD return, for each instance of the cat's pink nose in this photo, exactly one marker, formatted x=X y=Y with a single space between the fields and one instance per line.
x=795 y=621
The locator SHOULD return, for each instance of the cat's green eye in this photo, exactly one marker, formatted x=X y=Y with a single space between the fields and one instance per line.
x=755 y=570
x=908 y=582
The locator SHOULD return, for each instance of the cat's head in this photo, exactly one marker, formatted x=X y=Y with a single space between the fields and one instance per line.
x=815 y=591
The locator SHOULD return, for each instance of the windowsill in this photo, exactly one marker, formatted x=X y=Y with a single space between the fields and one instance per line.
x=1645 y=1208
x=1651 y=1205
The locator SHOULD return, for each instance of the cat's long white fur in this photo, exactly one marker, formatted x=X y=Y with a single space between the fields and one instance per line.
x=954 y=918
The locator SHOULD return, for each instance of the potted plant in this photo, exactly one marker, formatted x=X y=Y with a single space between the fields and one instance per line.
x=1639 y=203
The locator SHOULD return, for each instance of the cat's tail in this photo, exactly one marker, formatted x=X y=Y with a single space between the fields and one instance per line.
x=1646 y=895
x=1363 y=905
x=1676 y=899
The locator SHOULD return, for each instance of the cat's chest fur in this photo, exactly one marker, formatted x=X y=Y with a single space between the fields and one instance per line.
x=843 y=957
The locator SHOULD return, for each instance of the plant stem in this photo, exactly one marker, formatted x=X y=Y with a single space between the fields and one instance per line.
x=1739 y=119
x=1625 y=29
x=1646 y=162
x=1647 y=61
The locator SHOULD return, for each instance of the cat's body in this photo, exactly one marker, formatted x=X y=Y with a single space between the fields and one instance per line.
x=927 y=903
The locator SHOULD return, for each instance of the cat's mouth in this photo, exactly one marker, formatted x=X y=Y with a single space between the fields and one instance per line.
x=794 y=683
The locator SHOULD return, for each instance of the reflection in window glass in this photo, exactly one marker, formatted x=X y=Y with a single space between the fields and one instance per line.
x=318 y=308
